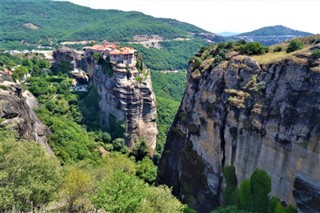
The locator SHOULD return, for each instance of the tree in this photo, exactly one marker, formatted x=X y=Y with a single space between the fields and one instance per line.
x=29 y=177
x=253 y=48
x=160 y=199
x=119 y=192
x=231 y=181
x=77 y=183
x=252 y=195
x=260 y=183
x=140 y=150
x=147 y=170
x=19 y=72
x=27 y=63
x=245 y=196
x=294 y=45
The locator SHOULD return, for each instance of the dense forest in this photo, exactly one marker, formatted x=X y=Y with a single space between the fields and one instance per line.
x=50 y=22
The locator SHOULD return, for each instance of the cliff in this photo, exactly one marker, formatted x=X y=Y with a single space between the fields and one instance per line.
x=126 y=95
x=130 y=101
x=247 y=115
x=17 y=112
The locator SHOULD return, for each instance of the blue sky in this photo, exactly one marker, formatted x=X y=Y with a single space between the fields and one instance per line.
x=228 y=15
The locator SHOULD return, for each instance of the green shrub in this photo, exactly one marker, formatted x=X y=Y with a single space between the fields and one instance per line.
x=197 y=62
x=277 y=49
x=146 y=170
x=229 y=174
x=253 y=48
x=315 y=53
x=294 y=45
x=252 y=195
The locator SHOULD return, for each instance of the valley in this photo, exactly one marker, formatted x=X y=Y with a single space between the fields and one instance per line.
x=113 y=111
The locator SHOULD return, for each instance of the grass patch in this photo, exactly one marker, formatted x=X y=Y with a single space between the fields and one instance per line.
x=269 y=57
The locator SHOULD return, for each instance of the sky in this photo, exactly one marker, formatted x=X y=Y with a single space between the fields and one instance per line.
x=224 y=16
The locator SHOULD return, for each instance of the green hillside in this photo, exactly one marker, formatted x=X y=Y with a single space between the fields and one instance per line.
x=270 y=35
x=275 y=30
x=49 y=22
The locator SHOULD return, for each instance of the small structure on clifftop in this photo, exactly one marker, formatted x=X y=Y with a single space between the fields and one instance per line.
x=116 y=54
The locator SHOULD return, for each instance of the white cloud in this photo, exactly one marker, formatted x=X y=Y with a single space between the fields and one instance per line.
x=228 y=15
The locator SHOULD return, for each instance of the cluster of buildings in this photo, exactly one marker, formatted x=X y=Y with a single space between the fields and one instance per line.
x=116 y=54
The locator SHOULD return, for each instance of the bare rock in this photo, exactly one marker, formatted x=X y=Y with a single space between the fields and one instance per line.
x=16 y=111
x=130 y=101
x=247 y=116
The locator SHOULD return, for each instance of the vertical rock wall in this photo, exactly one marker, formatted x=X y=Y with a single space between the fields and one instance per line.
x=241 y=114
x=130 y=101
x=123 y=97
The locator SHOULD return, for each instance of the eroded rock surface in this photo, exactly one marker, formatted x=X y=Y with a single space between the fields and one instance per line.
x=17 y=111
x=124 y=97
x=250 y=116
x=130 y=101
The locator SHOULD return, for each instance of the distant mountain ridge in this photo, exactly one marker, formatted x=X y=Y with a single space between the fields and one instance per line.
x=228 y=34
x=270 y=35
x=49 y=22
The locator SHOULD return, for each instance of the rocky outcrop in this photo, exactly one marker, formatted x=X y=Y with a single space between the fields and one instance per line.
x=17 y=111
x=249 y=116
x=65 y=59
x=130 y=101
x=126 y=95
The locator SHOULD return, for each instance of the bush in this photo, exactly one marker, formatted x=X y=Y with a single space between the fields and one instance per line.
x=315 y=53
x=229 y=174
x=252 y=195
x=277 y=49
x=253 y=48
x=146 y=170
x=294 y=45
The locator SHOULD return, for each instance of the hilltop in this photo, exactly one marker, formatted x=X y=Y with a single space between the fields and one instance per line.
x=49 y=22
x=270 y=35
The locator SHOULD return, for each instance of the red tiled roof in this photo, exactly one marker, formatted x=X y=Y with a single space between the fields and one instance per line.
x=123 y=51
x=114 y=49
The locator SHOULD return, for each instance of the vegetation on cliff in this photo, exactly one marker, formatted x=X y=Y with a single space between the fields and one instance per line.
x=252 y=195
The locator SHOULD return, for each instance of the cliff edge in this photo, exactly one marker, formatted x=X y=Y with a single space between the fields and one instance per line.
x=249 y=115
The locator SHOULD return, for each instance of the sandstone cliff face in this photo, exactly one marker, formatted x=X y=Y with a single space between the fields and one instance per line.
x=250 y=116
x=130 y=101
x=17 y=111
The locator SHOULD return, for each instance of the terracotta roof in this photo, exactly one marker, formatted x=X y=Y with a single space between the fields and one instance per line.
x=113 y=48
x=123 y=51
x=102 y=47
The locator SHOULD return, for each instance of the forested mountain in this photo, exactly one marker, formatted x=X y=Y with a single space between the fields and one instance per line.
x=49 y=22
x=270 y=35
